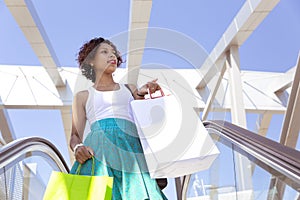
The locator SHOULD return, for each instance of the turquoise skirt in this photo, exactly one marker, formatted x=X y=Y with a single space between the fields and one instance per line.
x=118 y=153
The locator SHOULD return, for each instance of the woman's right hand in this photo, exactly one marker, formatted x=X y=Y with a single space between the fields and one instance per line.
x=83 y=153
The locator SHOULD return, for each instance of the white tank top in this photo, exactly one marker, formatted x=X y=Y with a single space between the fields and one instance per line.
x=109 y=104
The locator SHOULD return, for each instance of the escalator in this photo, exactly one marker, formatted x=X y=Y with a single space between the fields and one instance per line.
x=25 y=167
x=249 y=166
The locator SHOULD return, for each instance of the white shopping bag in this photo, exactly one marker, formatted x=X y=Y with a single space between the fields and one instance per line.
x=172 y=146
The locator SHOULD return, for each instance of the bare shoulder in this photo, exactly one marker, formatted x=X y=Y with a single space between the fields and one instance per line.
x=81 y=96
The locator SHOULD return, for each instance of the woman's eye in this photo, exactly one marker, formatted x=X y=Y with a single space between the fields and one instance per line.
x=104 y=51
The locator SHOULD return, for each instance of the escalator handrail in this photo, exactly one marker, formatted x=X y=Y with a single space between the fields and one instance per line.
x=286 y=157
x=24 y=146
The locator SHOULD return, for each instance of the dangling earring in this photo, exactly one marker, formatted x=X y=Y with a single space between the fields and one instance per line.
x=91 y=69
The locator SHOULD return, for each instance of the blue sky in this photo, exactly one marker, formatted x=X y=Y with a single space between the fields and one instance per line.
x=274 y=46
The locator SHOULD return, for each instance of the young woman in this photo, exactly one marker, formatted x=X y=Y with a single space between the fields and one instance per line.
x=113 y=140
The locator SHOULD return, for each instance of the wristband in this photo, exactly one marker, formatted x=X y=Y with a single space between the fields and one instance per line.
x=140 y=95
x=76 y=147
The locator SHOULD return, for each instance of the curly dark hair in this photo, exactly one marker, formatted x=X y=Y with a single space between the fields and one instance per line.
x=87 y=53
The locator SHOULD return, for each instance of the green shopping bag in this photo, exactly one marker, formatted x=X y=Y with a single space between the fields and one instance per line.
x=62 y=186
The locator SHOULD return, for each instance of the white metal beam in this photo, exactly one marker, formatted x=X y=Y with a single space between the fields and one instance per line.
x=282 y=82
x=294 y=125
x=26 y=16
x=26 y=181
x=263 y=123
x=290 y=129
x=243 y=25
x=236 y=91
x=238 y=115
x=66 y=115
x=6 y=127
x=213 y=93
x=138 y=26
x=291 y=125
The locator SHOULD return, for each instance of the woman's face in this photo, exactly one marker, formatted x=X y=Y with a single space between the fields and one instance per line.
x=105 y=59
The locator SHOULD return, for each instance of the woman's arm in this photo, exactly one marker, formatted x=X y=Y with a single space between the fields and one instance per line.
x=82 y=153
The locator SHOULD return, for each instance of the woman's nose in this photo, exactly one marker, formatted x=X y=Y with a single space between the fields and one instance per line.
x=112 y=55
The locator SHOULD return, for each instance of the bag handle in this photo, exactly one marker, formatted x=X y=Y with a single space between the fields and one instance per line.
x=162 y=94
x=150 y=94
x=93 y=167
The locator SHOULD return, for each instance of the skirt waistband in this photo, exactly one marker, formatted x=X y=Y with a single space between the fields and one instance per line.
x=113 y=123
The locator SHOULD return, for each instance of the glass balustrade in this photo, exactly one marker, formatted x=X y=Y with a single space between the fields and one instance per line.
x=239 y=173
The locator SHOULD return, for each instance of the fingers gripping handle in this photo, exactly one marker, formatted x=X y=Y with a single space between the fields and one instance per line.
x=153 y=97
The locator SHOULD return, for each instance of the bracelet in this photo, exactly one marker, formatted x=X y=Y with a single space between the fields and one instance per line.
x=140 y=95
x=76 y=147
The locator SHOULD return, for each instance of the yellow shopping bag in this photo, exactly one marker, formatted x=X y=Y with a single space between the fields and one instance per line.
x=62 y=186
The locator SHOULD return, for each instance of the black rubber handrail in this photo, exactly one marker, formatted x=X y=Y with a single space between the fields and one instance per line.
x=24 y=145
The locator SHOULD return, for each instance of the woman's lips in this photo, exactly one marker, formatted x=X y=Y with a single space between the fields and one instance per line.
x=112 y=62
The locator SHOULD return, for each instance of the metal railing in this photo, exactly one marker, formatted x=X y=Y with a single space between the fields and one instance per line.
x=20 y=149
x=25 y=167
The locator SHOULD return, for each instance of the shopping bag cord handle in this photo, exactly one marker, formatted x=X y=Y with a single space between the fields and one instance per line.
x=161 y=94
x=93 y=167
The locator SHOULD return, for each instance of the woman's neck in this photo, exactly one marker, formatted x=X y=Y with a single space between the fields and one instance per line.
x=105 y=83
x=104 y=80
